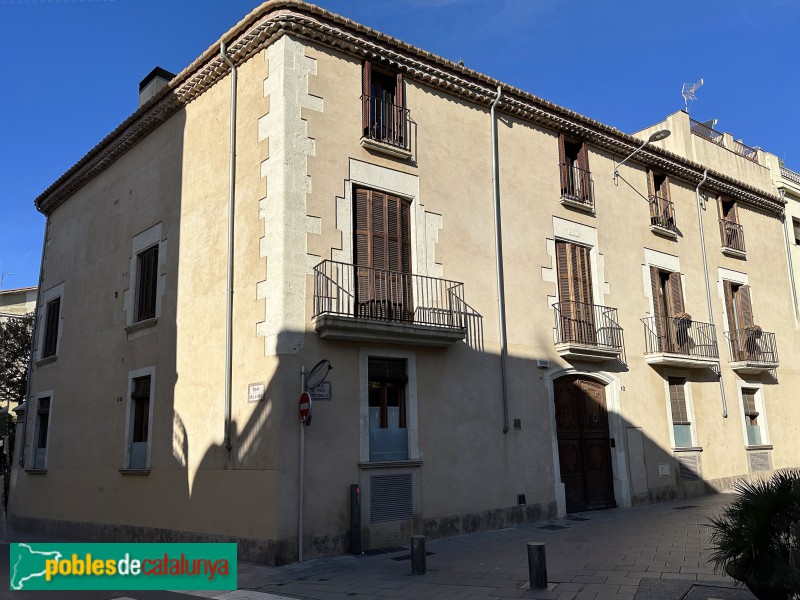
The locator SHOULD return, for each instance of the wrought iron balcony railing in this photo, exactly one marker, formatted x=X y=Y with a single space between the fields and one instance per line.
x=753 y=346
x=587 y=325
x=790 y=175
x=386 y=122
x=577 y=185
x=704 y=131
x=680 y=336
x=743 y=149
x=662 y=213
x=732 y=235
x=357 y=292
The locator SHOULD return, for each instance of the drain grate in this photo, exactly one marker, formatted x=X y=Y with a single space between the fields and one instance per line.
x=553 y=527
x=408 y=556
x=688 y=506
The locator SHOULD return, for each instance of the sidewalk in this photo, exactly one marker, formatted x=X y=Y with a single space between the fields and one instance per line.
x=657 y=551
x=653 y=552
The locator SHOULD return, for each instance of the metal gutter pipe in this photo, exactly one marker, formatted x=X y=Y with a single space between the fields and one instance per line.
x=789 y=256
x=708 y=283
x=498 y=240
x=231 y=213
x=33 y=343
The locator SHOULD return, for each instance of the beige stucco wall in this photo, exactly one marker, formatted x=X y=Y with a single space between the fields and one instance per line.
x=17 y=302
x=298 y=156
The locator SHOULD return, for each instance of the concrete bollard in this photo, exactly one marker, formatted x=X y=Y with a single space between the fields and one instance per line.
x=537 y=566
x=418 y=555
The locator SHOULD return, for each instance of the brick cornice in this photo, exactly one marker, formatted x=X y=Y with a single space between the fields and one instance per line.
x=280 y=17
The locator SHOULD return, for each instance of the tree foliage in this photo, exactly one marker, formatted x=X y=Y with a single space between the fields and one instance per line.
x=15 y=347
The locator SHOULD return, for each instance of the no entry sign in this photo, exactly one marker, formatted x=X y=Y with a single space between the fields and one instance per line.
x=305 y=406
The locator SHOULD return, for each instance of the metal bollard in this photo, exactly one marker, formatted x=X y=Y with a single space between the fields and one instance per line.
x=418 y=555
x=537 y=566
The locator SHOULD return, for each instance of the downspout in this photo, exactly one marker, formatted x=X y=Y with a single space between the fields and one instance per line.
x=789 y=255
x=498 y=240
x=231 y=212
x=33 y=342
x=708 y=284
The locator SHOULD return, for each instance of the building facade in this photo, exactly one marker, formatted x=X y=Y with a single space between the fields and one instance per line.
x=518 y=327
x=17 y=302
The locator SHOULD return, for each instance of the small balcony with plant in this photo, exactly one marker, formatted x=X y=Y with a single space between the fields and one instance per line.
x=752 y=350
x=680 y=341
x=587 y=332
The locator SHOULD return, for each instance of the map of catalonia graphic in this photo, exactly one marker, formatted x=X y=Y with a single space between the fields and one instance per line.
x=30 y=564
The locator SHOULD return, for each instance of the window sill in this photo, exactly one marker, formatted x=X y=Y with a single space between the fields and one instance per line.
x=141 y=325
x=733 y=252
x=46 y=361
x=663 y=231
x=587 y=207
x=759 y=447
x=134 y=471
x=688 y=449
x=376 y=146
x=36 y=471
x=390 y=464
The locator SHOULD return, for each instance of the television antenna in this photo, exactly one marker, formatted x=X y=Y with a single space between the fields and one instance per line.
x=688 y=92
x=3 y=277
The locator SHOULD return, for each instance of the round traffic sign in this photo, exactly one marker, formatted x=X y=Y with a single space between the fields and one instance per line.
x=305 y=406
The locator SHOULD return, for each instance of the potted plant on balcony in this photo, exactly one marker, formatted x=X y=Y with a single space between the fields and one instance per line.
x=683 y=319
x=756 y=537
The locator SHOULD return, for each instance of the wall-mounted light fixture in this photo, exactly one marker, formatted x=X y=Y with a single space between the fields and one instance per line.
x=654 y=137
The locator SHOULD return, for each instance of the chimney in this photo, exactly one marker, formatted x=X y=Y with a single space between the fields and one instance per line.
x=151 y=85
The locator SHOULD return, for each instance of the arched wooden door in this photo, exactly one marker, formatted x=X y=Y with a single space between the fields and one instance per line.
x=584 y=447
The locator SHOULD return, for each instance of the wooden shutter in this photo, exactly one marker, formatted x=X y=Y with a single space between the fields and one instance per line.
x=727 y=286
x=658 y=313
x=744 y=307
x=749 y=402
x=53 y=311
x=366 y=85
x=562 y=162
x=665 y=187
x=675 y=302
x=399 y=120
x=585 y=177
x=677 y=401
x=651 y=184
x=575 y=292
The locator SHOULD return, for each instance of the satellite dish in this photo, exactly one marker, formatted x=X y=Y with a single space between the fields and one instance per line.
x=318 y=373
x=688 y=92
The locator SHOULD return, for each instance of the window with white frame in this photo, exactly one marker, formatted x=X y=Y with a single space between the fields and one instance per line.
x=753 y=416
x=388 y=401
x=139 y=419
x=41 y=432
x=49 y=326
x=143 y=297
x=680 y=412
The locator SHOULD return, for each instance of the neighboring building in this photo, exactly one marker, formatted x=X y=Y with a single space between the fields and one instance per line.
x=17 y=302
x=365 y=234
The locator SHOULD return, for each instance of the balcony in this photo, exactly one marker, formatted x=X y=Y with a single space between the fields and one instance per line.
x=662 y=216
x=732 y=238
x=679 y=342
x=577 y=187
x=752 y=351
x=363 y=304
x=587 y=332
x=707 y=133
x=386 y=127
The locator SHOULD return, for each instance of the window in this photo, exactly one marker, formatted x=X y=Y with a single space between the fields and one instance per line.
x=382 y=256
x=681 y=424
x=575 y=293
x=671 y=331
x=42 y=431
x=50 y=341
x=146 y=283
x=384 y=116
x=796 y=224
x=576 y=181
x=662 y=212
x=388 y=414
x=139 y=420
x=751 y=423
x=730 y=229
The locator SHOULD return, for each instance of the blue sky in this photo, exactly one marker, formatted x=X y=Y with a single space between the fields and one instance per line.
x=72 y=67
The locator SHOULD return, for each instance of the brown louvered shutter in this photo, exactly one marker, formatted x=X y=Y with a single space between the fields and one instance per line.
x=398 y=111
x=366 y=85
x=727 y=287
x=651 y=185
x=581 y=274
x=562 y=162
x=562 y=264
x=665 y=188
x=677 y=401
x=585 y=177
x=675 y=294
x=658 y=313
x=749 y=402
x=362 y=246
x=744 y=307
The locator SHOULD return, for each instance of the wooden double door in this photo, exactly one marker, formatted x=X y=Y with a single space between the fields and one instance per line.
x=584 y=447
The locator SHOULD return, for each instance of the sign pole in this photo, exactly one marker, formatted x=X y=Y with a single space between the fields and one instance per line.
x=302 y=470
